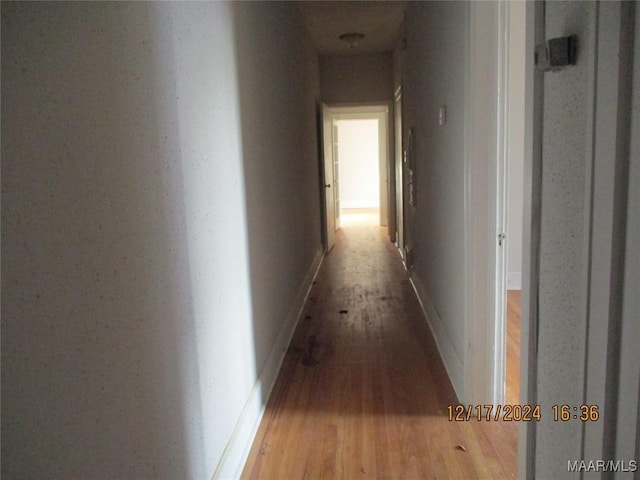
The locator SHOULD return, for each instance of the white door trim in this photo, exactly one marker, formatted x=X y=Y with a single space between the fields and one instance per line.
x=396 y=165
x=501 y=195
x=532 y=197
x=485 y=134
x=328 y=183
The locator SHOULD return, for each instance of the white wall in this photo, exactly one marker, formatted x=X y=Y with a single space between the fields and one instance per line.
x=356 y=78
x=359 y=163
x=149 y=280
x=434 y=73
x=515 y=152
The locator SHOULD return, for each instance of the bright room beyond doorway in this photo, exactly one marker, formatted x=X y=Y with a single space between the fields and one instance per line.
x=358 y=151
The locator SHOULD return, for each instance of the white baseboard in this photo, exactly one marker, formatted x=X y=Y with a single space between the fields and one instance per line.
x=514 y=280
x=237 y=450
x=452 y=362
x=357 y=205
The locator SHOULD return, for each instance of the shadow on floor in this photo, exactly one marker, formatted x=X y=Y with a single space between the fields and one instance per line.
x=362 y=345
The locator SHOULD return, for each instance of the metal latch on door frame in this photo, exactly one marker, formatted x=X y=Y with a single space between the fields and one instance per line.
x=556 y=53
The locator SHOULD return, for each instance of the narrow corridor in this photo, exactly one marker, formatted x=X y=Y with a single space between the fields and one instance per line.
x=362 y=392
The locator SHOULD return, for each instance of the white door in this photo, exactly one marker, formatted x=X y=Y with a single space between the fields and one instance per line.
x=383 y=163
x=399 y=171
x=329 y=166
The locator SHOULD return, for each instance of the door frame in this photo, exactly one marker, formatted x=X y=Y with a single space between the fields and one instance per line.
x=397 y=223
x=484 y=204
x=371 y=111
x=486 y=172
x=532 y=200
x=329 y=227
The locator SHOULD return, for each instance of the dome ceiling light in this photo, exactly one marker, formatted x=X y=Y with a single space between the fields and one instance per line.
x=351 y=39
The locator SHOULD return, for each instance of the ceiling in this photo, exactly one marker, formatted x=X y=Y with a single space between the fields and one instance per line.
x=379 y=21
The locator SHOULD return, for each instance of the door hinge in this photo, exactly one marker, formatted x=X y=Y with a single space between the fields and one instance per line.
x=501 y=238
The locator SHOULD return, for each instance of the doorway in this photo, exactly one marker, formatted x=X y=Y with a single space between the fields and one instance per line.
x=358 y=153
x=356 y=163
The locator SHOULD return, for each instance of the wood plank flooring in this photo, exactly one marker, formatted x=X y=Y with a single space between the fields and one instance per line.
x=512 y=388
x=362 y=392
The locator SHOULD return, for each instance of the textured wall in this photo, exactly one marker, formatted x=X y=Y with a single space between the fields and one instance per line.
x=563 y=262
x=145 y=271
x=587 y=315
x=279 y=85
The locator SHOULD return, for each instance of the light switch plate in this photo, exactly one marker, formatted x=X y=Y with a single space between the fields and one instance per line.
x=442 y=118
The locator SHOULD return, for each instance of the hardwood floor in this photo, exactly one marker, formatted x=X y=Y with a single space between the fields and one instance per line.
x=512 y=388
x=362 y=392
x=351 y=217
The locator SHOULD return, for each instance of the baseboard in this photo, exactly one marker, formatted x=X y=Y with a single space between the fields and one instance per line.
x=452 y=362
x=514 y=281
x=237 y=449
x=358 y=205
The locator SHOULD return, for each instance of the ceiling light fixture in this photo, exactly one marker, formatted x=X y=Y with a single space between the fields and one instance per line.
x=352 y=39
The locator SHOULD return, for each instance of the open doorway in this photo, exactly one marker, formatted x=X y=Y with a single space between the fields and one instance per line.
x=356 y=159
x=358 y=151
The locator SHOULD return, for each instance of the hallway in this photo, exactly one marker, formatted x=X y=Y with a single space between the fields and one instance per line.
x=162 y=192
x=362 y=392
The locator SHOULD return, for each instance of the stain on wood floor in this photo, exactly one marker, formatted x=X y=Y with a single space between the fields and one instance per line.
x=362 y=392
